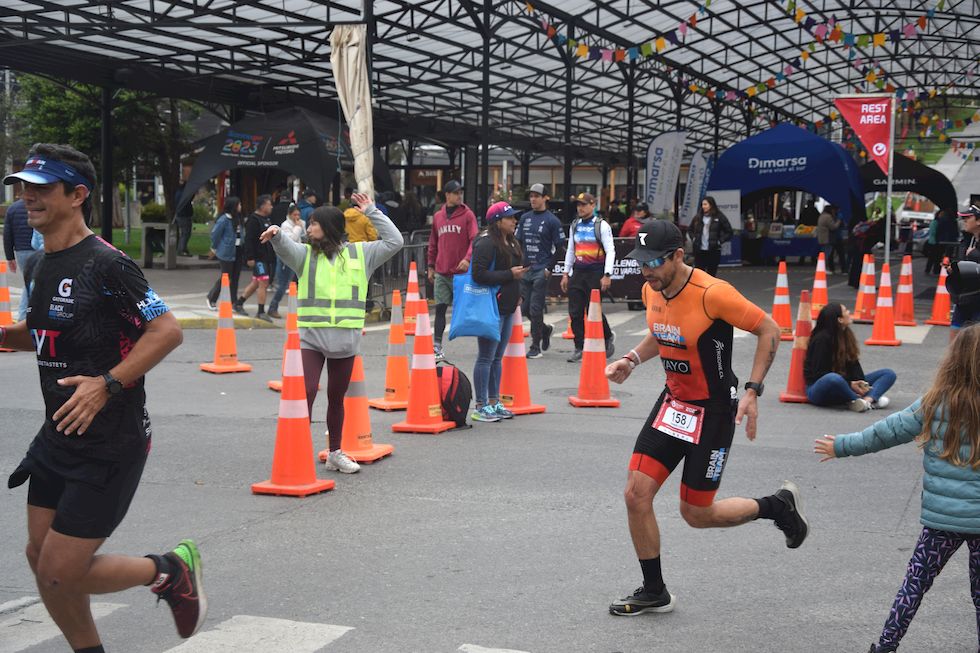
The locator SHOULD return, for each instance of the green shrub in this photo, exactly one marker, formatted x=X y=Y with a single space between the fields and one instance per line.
x=202 y=214
x=153 y=212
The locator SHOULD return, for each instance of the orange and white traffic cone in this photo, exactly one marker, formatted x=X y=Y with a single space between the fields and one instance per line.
x=356 y=439
x=515 y=393
x=883 y=332
x=225 y=349
x=941 y=303
x=780 y=304
x=819 y=287
x=6 y=318
x=593 y=387
x=864 y=306
x=569 y=334
x=396 y=368
x=424 y=414
x=293 y=469
x=796 y=385
x=905 y=299
x=413 y=303
x=291 y=325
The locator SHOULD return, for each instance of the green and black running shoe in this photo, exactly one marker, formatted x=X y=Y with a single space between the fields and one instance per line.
x=642 y=601
x=183 y=591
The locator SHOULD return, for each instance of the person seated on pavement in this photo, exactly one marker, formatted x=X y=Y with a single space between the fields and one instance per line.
x=832 y=369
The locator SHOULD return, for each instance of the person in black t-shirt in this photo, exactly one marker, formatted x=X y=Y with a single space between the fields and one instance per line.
x=260 y=256
x=96 y=328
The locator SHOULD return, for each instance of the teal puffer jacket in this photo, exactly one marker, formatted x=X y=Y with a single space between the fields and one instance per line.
x=950 y=494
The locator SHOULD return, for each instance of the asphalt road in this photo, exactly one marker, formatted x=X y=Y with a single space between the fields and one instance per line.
x=507 y=536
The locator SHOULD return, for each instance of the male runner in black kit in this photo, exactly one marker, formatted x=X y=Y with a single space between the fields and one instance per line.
x=97 y=328
x=690 y=315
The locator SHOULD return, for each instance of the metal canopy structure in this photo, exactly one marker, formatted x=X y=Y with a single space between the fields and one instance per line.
x=582 y=79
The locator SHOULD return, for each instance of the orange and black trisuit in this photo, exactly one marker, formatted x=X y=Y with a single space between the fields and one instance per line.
x=694 y=333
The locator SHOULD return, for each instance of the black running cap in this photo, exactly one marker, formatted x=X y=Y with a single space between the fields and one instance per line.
x=656 y=239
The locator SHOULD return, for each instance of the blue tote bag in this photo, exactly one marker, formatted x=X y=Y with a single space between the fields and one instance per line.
x=475 y=310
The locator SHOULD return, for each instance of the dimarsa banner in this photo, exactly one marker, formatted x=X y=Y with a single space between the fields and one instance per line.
x=871 y=119
x=663 y=168
x=697 y=181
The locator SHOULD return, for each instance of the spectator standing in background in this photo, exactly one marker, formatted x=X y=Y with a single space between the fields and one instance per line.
x=17 y=235
x=306 y=205
x=293 y=229
x=539 y=234
x=185 y=221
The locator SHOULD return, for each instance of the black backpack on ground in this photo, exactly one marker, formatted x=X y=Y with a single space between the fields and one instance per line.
x=455 y=393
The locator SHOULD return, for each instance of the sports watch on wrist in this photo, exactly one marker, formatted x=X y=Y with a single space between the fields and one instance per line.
x=112 y=385
x=758 y=387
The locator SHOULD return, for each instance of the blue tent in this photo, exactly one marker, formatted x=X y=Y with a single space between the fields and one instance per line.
x=789 y=158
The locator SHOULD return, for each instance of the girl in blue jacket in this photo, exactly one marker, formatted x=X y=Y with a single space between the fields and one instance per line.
x=946 y=424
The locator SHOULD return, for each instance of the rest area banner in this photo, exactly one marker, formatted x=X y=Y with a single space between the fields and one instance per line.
x=871 y=119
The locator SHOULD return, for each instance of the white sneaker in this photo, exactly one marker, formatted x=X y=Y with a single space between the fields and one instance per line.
x=341 y=462
x=882 y=402
x=859 y=405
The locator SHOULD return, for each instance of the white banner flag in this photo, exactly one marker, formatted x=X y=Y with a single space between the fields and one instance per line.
x=695 y=186
x=663 y=169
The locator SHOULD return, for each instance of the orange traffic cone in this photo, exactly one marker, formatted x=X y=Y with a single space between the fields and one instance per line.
x=593 y=387
x=780 y=304
x=6 y=319
x=796 y=384
x=424 y=406
x=569 y=334
x=291 y=320
x=293 y=469
x=819 y=287
x=905 y=300
x=356 y=439
x=396 y=369
x=940 y=303
x=514 y=391
x=864 y=306
x=225 y=350
x=413 y=304
x=883 y=332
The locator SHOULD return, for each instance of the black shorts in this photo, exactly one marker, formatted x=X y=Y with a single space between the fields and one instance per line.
x=656 y=454
x=90 y=497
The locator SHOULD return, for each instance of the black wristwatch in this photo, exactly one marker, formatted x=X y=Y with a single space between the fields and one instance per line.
x=112 y=385
x=758 y=387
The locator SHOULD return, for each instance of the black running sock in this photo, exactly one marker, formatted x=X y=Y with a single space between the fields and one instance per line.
x=165 y=569
x=653 y=580
x=90 y=649
x=241 y=300
x=261 y=309
x=771 y=507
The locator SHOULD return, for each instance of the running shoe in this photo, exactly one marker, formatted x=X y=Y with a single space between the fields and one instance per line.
x=860 y=405
x=793 y=524
x=546 y=337
x=642 y=601
x=882 y=402
x=485 y=414
x=239 y=309
x=437 y=350
x=211 y=305
x=339 y=461
x=264 y=317
x=274 y=313
x=183 y=591
x=611 y=344
x=502 y=412
x=534 y=352
x=575 y=357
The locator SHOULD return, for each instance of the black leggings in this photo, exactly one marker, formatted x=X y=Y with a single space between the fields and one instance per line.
x=440 y=326
x=233 y=269
x=338 y=378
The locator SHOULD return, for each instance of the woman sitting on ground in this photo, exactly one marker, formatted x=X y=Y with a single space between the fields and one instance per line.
x=832 y=370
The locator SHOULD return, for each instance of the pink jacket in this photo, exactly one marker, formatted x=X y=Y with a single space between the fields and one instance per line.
x=451 y=239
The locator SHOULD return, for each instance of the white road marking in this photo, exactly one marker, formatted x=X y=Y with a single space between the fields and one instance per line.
x=473 y=648
x=29 y=627
x=912 y=335
x=245 y=634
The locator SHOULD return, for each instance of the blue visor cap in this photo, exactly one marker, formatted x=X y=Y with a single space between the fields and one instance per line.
x=42 y=171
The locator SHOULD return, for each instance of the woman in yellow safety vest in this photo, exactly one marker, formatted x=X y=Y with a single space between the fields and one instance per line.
x=331 y=293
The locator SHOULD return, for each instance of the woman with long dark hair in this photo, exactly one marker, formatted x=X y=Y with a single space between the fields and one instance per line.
x=226 y=243
x=832 y=369
x=332 y=289
x=497 y=260
x=709 y=230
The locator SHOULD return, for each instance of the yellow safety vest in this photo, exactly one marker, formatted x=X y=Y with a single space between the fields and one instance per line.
x=332 y=293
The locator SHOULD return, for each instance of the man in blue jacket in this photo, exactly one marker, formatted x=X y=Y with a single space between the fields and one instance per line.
x=17 y=248
x=539 y=233
x=306 y=205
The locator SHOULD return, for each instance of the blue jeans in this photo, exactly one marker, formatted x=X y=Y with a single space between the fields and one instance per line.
x=534 y=288
x=486 y=371
x=284 y=274
x=832 y=389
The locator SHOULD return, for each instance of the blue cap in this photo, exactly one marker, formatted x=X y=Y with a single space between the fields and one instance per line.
x=39 y=170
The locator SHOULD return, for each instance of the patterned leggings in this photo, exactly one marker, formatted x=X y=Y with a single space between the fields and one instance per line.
x=932 y=552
